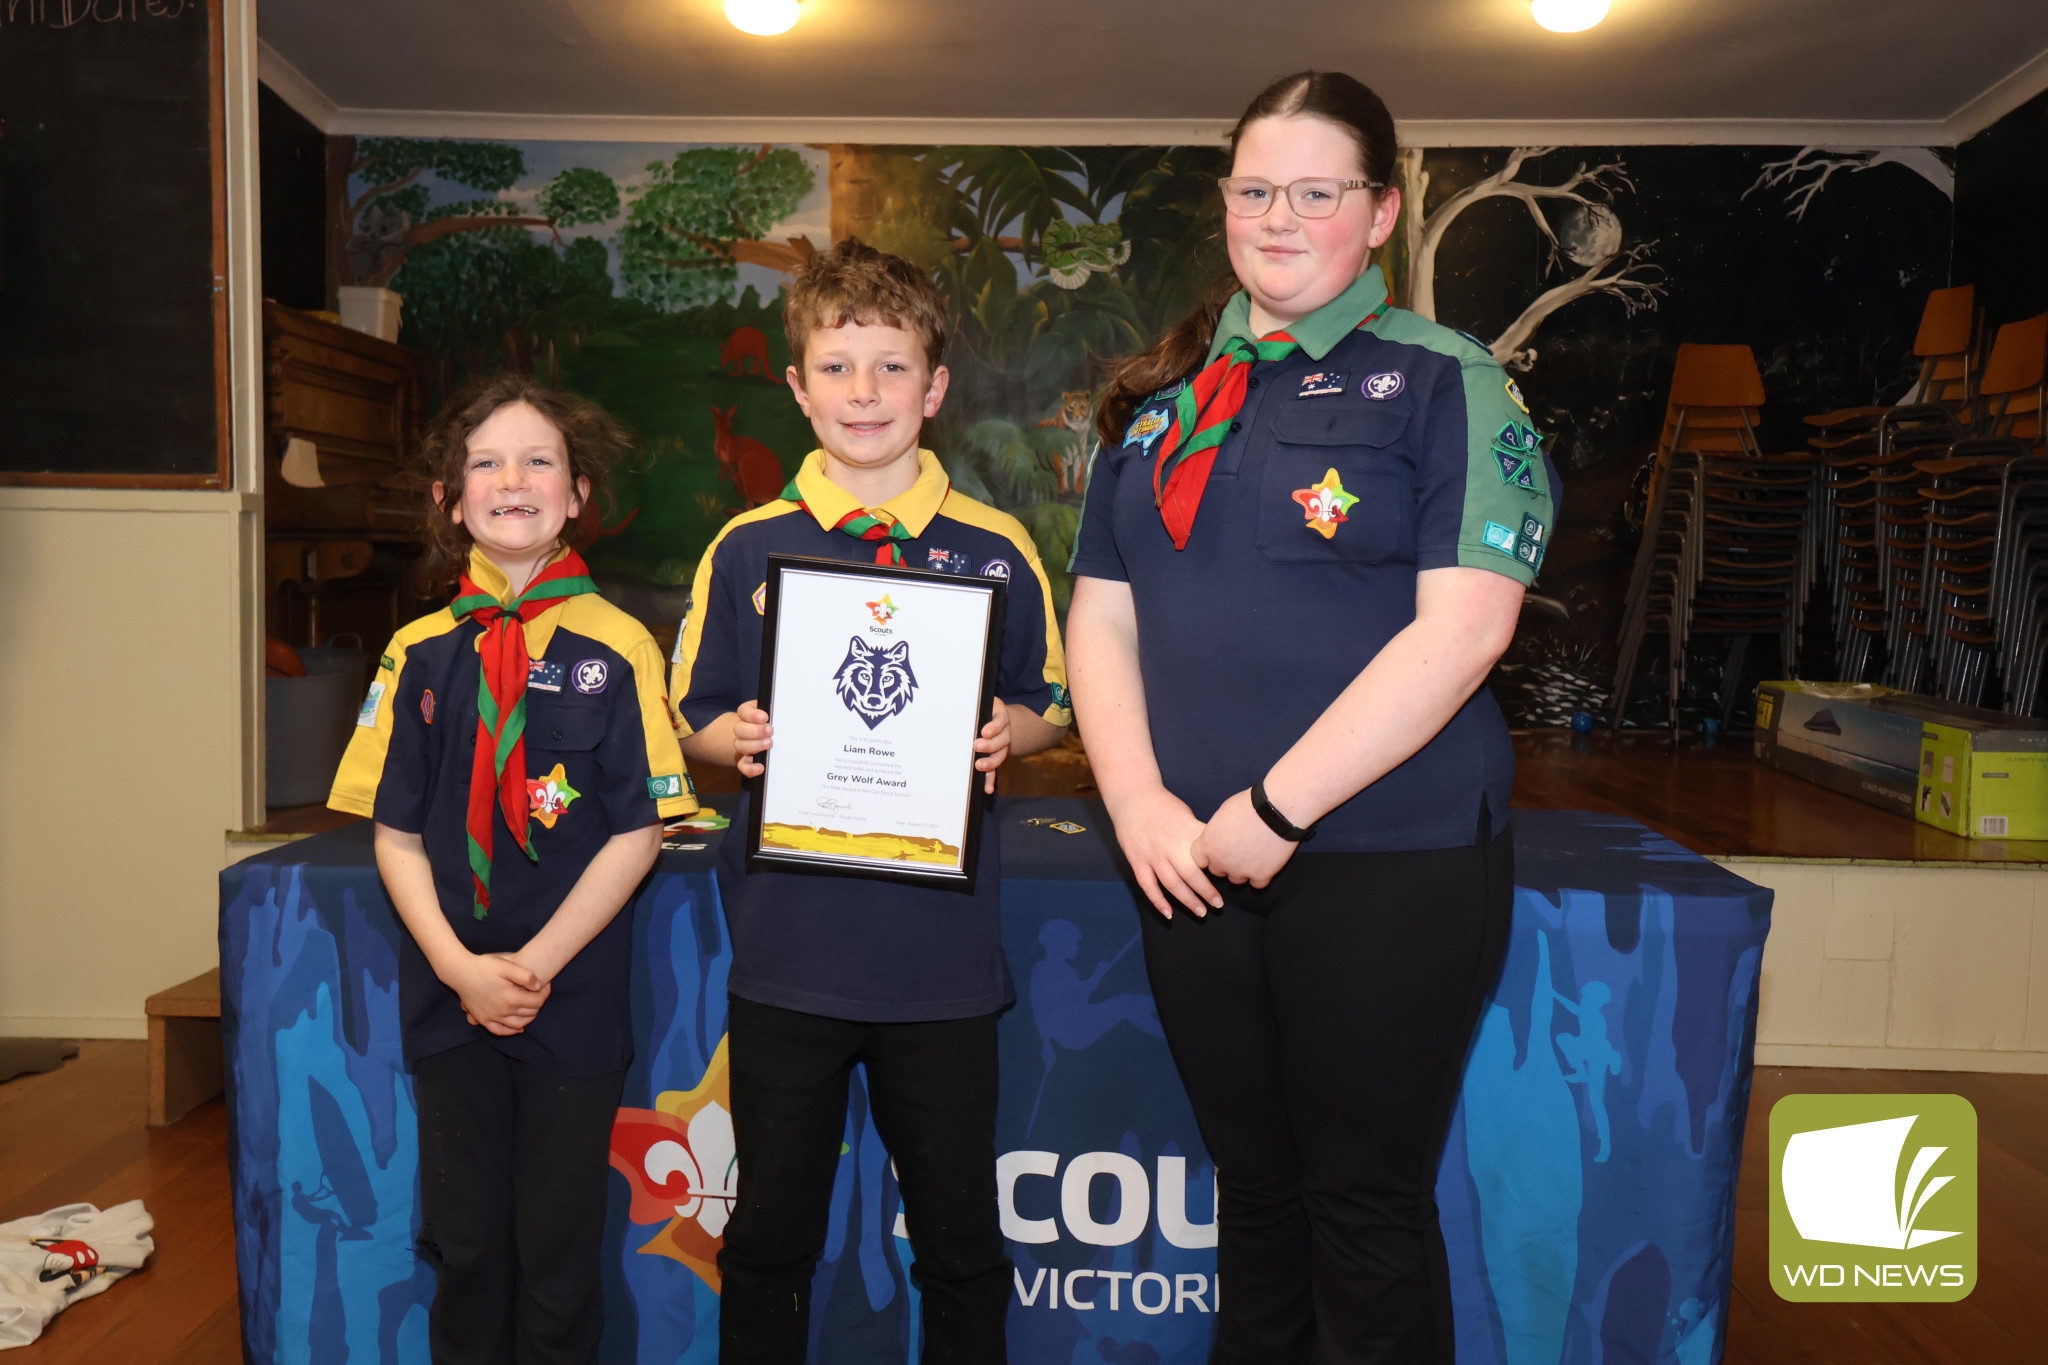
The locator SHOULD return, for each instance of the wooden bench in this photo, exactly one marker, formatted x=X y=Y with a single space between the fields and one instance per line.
x=184 y=1048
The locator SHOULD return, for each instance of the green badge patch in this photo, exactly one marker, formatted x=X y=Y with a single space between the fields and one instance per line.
x=385 y=662
x=666 y=785
x=1499 y=537
x=1060 y=696
x=1515 y=447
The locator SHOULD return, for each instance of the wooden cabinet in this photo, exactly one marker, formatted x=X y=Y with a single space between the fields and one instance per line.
x=338 y=554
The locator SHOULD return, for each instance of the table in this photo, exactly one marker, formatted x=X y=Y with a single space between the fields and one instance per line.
x=1587 y=1189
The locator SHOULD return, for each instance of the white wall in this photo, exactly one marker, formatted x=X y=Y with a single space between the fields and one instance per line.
x=131 y=695
x=1932 y=968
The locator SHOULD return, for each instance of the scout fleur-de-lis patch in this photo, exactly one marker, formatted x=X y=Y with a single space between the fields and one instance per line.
x=547 y=797
x=1515 y=446
x=1325 y=504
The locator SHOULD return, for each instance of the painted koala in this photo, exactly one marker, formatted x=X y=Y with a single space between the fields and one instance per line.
x=874 y=682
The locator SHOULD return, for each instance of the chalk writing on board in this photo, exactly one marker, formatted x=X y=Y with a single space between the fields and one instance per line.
x=74 y=13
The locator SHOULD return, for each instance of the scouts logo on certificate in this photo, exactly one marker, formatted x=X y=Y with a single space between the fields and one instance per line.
x=547 y=797
x=1325 y=504
x=1146 y=430
x=1321 y=384
x=882 y=610
x=875 y=683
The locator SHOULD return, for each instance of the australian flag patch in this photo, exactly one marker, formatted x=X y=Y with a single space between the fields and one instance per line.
x=1321 y=384
x=946 y=561
x=544 y=675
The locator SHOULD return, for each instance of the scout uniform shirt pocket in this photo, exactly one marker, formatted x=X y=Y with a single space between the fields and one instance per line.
x=1336 y=488
x=561 y=759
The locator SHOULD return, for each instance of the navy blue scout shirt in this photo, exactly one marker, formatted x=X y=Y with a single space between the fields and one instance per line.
x=603 y=758
x=1366 y=456
x=849 y=947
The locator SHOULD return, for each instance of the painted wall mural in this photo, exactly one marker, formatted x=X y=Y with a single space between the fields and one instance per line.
x=648 y=277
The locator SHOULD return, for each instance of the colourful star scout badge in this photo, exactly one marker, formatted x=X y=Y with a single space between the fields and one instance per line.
x=882 y=610
x=1325 y=504
x=547 y=797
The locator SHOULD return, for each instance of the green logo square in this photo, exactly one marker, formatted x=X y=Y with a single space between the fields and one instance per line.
x=1873 y=1198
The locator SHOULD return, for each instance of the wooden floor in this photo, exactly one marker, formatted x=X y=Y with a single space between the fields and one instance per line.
x=77 y=1135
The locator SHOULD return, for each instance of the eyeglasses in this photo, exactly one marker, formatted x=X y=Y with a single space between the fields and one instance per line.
x=1247 y=196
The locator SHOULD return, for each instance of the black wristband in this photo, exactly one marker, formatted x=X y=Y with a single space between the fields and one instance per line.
x=1275 y=821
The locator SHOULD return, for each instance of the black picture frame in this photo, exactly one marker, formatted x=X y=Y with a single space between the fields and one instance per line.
x=776 y=860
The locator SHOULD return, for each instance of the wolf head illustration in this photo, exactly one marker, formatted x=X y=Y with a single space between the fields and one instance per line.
x=875 y=683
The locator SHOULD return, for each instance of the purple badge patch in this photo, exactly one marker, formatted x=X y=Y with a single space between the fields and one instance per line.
x=1384 y=385
x=590 y=676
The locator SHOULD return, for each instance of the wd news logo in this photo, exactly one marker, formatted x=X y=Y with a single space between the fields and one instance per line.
x=1873 y=1197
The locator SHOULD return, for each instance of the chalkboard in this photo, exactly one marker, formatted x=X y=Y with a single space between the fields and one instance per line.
x=113 y=251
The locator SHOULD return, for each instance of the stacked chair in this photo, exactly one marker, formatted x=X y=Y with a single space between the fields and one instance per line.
x=1873 y=531
x=1983 y=567
x=1728 y=543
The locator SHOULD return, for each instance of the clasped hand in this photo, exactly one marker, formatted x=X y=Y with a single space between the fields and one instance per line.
x=1174 y=854
x=500 y=992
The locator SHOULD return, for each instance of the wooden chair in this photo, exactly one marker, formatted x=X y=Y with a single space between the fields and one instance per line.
x=1946 y=346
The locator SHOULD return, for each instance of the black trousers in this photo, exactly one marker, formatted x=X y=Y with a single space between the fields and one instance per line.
x=513 y=1165
x=1321 y=1027
x=932 y=1091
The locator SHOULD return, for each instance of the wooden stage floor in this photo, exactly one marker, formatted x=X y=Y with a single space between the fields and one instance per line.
x=1713 y=799
x=77 y=1134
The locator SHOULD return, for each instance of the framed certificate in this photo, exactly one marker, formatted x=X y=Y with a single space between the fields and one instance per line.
x=877 y=681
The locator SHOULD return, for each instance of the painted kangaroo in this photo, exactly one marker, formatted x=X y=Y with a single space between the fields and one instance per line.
x=745 y=463
x=745 y=352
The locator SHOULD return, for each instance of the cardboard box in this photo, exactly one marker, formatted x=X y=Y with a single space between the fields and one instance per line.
x=1983 y=774
x=1838 y=735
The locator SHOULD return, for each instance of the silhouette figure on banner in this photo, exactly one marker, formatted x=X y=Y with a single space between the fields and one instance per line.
x=1061 y=1007
x=1593 y=1059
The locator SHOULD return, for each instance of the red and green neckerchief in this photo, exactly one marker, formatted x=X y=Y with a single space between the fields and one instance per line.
x=864 y=523
x=1202 y=414
x=499 y=768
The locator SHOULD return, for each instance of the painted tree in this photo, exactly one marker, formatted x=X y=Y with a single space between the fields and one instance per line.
x=393 y=214
x=1591 y=240
x=1807 y=172
x=701 y=214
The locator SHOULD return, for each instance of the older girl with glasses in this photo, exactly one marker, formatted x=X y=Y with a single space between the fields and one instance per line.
x=1305 y=543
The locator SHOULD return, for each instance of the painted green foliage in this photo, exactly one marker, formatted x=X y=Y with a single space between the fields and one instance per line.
x=1052 y=261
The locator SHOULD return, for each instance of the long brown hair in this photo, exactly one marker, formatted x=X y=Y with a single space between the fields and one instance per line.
x=1330 y=95
x=593 y=440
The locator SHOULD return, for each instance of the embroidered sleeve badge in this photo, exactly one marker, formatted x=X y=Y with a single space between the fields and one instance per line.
x=547 y=797
x=1515 y=447
x=1324 y=504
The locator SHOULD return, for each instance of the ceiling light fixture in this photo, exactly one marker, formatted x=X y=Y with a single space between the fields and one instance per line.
x=1559 y=16
x=767 y=18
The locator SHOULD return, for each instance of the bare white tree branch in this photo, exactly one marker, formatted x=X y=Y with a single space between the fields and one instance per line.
x=1583 y=186
x=1825 y=161
x=1631 y=282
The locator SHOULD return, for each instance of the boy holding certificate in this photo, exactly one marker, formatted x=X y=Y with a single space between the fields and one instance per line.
x=829 y=971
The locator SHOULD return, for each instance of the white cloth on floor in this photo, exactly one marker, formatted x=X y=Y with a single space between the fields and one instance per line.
x=51 y=1261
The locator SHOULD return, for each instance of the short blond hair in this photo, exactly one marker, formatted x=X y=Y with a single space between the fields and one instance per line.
x=853 y=282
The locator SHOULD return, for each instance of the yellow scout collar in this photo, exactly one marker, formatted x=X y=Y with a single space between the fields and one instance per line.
x=832 y=506
x=489 y=577
x=1319 y=332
